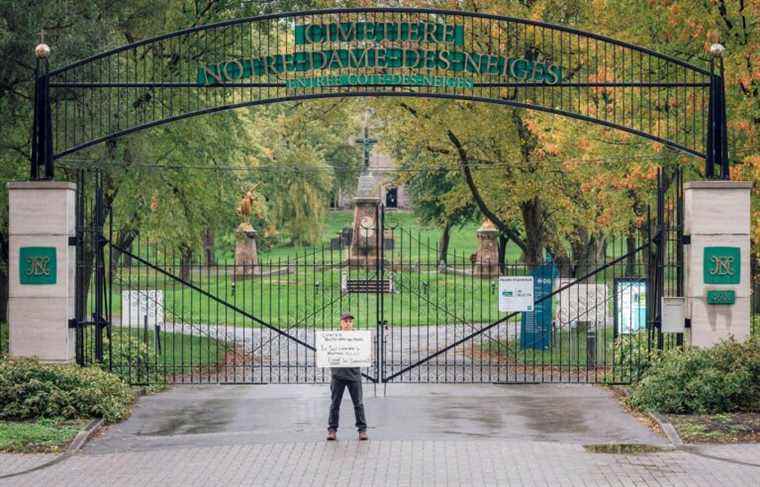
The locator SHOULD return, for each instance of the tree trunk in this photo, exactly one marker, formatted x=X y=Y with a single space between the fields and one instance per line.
x=443 y=247
x=208 y=247
x=186 y=264
x=535 y=235
x=630 y=247
x=503 y=241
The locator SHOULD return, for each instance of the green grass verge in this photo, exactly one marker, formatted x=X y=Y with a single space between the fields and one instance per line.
x=718 y=428
x=40 y=436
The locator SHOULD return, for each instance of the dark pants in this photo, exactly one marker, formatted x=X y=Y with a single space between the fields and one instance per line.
x=337 y=386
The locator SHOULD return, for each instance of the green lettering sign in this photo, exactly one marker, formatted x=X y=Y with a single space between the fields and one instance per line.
x=38 y=265
x=383 y=46
x=722 y=265
x=721 y=297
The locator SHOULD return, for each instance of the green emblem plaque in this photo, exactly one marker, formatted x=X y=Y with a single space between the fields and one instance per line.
x=722 y=265
x=721 y=297
x=38 y=265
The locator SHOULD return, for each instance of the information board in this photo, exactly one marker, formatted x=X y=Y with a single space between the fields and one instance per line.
x=536 y=325
x=630 y=305
x=515 y=293
x=344 y=349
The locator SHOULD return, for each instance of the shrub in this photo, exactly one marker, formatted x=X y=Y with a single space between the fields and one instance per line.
x=725 y=378
x=634 y=353
x=132 y=359
x=4 y=338
x=30 y=389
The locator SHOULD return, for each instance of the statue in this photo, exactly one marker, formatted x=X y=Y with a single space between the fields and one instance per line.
x=246 y=255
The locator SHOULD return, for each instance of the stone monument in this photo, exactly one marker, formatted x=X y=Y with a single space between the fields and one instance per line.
x=364 y=249
x=486 y=260
x=246 y=256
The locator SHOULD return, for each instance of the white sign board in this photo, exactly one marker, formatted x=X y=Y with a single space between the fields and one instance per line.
x=582 y=301
x=344 y=349
x=515 y=293
x=673 y=315
x=136 y=305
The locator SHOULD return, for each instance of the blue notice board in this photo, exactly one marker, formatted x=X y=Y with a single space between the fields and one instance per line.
x=536 y=326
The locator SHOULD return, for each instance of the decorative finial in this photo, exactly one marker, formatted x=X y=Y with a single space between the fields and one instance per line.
x=717 y=50
x=42 y=51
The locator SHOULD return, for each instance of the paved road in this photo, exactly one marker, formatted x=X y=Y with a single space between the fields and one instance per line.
x=420 y=435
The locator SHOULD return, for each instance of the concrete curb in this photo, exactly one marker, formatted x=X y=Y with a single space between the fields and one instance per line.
x=76 y=444
x=83 y=436
x=667 y=428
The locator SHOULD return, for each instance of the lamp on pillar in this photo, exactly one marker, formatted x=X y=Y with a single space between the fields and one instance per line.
x=42 y=134
x=717 y=136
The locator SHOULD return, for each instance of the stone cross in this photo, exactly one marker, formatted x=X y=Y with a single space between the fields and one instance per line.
x=367 y=143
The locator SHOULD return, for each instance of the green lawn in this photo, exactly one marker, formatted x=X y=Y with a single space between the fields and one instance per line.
x=312 y=297
x=137 y=359
x=40 y=436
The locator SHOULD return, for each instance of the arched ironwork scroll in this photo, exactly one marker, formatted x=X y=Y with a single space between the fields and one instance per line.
x=380 y=52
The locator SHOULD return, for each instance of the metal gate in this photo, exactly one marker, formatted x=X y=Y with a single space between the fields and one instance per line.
x=160 y=315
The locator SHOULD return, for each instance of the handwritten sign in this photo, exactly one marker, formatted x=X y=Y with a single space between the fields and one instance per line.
x=344 y=349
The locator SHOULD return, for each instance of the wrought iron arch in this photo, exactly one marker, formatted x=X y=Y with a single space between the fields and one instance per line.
x=377 y=52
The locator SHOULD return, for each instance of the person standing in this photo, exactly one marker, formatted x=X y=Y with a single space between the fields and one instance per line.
x=346 y=378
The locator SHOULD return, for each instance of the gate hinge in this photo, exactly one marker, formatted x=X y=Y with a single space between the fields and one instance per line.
x=686 y=239
x=687 y=323
x=73 y=323
x=74 y=241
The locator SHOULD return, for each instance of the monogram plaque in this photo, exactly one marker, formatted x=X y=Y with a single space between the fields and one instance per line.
x=722 y=265
x=38 y=265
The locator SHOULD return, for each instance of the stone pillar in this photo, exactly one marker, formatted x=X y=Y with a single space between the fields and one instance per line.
x=246 y=253
x=364 y=248
x=42 y=268
x=717 y=219
x=486 y=259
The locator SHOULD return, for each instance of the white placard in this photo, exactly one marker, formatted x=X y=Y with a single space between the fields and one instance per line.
x=673 y=315
x=136 y=305
x=344 y=349
x=515 y=293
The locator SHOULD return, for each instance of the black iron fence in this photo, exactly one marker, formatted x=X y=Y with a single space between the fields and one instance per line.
x=156 y=315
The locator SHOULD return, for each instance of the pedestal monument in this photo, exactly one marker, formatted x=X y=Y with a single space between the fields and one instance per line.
x=364 y=249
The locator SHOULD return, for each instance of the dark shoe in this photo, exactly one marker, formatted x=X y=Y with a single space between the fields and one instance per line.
x=331 y=436
x=363 y=436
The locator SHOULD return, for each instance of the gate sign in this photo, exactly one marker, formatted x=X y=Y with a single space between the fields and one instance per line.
x=344 y=349
x=515 y=293
x=536 y=326
x=136 y=305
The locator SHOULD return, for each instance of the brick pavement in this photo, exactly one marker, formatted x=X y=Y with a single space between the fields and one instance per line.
x=398 y=463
